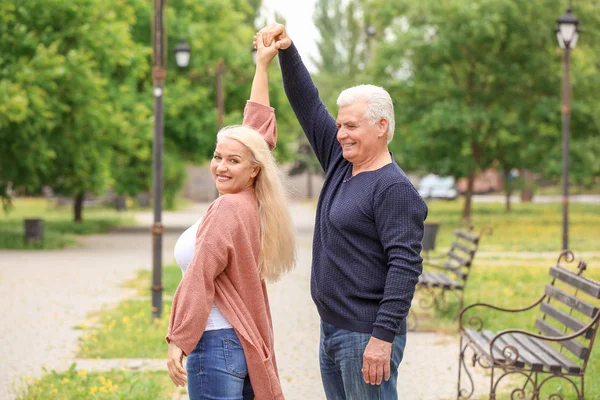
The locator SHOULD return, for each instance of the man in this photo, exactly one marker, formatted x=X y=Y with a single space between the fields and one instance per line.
x=368 y=231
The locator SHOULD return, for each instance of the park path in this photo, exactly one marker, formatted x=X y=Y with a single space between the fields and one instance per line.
x=44 y=295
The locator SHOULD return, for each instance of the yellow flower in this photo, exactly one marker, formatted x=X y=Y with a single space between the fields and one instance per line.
x=65 y=380
x=103 y=389
x=115 y=387
x=126 y=320
x=103 y=380
x=55 y=390
x=82 y=372
x=93 y=390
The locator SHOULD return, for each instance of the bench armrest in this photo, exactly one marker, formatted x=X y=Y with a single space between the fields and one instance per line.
x=476 y=318
x=514 y=353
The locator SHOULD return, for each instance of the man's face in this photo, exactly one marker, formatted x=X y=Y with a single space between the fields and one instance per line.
x=356 y=134
x=231 y=168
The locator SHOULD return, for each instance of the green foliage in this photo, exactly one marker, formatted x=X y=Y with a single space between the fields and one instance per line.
x=76 y=104
x=77 y=383
x=119 y=331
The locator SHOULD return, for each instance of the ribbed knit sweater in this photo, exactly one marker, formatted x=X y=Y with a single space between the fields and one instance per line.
x=368 y=231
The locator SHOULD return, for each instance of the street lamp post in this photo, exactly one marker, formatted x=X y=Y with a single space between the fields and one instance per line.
x=567 y=34
x=159 y=73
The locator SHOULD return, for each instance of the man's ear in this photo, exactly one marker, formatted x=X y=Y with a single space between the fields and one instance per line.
x=383 y=127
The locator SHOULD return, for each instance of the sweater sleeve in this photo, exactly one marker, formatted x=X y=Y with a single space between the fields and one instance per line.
x=399 y=216
x=196 y=291
x=262 y=118
x=318 y=125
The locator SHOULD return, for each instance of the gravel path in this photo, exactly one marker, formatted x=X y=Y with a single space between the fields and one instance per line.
x=44 y=295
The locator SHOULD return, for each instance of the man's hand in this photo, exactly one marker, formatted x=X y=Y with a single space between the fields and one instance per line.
x=275 y=33
x=174 y=363
x=376 y=361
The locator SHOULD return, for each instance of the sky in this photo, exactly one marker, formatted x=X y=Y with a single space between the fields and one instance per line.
x=300 y=26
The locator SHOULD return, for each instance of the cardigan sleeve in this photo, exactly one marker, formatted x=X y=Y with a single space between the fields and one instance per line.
x=196 y=291
x=262 y=118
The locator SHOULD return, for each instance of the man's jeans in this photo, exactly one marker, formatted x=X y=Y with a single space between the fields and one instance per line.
x=341 y=358
x=217 y=368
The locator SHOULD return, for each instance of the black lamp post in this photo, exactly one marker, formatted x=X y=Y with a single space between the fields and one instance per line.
x=567 y=34
x=159 y=73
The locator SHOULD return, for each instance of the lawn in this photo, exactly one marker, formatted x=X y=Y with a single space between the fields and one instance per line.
x=110 y=385
x=528 y=227
x=59 y=229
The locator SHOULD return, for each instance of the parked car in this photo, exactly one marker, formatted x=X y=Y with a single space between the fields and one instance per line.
x=437 y=187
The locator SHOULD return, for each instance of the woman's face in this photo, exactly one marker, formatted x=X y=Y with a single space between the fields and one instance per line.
x=230 y=167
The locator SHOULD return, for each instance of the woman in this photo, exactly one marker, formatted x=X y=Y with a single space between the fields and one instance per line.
x=220 y=316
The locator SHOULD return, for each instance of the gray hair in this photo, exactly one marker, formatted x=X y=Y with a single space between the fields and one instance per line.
x=379 y=104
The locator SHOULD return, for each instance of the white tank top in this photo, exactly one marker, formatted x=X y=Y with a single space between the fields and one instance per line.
x=184 y=252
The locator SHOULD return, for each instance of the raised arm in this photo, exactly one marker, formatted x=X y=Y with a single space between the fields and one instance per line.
x=318 y=125
x=258 y=113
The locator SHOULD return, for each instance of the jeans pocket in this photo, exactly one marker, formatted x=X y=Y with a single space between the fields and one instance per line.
x=235 y=360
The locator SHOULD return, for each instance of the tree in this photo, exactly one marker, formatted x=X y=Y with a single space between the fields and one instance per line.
x=475 y=83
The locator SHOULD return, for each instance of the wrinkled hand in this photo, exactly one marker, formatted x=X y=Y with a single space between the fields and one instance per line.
x=376 y=361
x=276 y=33
x=264 y=54
x=174 y=363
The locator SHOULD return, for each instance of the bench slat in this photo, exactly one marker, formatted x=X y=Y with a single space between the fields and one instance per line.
x=524 y=353
x=465 y=249
x=483 y=345
x=573 y=346
x=545 y=350
x=499 y=345
x=587 y=285
x=569 y=321
x=551 y=364
x=571 y=301
x=467 y=235
x=461 y=275
x=461 y=261
x=451 y=283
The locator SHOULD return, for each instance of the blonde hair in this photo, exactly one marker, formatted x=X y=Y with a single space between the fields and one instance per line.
x=277 y=239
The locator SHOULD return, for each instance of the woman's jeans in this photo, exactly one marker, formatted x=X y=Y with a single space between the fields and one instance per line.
x=217 y=368
x=341 y=358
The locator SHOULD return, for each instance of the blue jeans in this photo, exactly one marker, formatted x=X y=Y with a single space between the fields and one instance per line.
x=341 y=358
x=217 y=368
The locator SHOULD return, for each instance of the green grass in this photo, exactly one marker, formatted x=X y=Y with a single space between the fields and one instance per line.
x=171 y=278
x=528 y=227
x=118 y=330
x=512 y=286
x=59 y=229
x=110 y=385
x=126 y=331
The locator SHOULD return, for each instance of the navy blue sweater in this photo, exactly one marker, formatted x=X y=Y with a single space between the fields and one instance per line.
x=368 y=230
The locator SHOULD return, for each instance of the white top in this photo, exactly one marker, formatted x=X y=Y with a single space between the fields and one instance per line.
x=184 y=252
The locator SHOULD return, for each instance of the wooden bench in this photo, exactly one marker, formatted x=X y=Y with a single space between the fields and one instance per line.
x=446 y=273
x=567 y=326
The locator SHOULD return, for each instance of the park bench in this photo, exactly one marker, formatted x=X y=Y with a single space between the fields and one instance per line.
x=446 y=273
x=567 y=326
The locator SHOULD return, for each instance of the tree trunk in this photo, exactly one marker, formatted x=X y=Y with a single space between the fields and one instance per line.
x=527 y=191
x=466 y=216
x=78 y=207
x=508 y=187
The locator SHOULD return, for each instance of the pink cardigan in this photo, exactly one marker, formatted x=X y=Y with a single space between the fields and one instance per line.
x=225 y=268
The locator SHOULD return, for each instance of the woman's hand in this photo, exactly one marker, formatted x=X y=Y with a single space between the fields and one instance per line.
x=264 y=54
x=175 y=364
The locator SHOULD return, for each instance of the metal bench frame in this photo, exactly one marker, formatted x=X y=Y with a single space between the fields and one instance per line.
x=446 y=273
x=519 y=352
